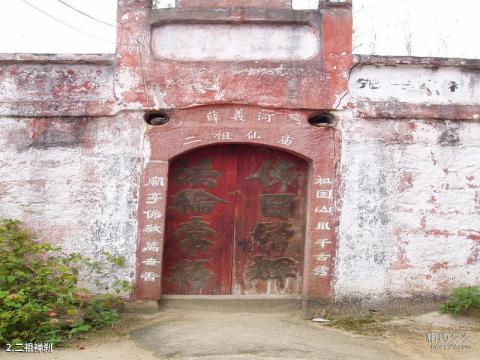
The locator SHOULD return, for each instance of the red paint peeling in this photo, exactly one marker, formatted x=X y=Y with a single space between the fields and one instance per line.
x=423 y=222
x=474 y=256
x=470 y=234
x=405 y=132
x=289 y=84
x=128 y=60
x=474 y=237
x=406 y=181
x=47 y=87
x=412 y=126
x=438 y=266
x=401 y=263
x=437 y=232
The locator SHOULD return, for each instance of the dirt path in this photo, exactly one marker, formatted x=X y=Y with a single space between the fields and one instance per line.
x=213 y=335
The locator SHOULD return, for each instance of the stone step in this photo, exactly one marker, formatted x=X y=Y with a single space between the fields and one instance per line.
x=232 y=303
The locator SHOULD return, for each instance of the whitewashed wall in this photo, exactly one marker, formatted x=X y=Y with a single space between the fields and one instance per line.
x=74 y=183
x=436 y=28
x=410 y=208
x=410 y=194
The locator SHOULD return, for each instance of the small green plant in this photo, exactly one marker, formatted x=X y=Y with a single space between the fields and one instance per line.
x=40 y=299
x=461 y=300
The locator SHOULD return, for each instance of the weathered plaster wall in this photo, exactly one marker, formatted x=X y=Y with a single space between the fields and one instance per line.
x=409 y=222
x=148 y=80
x=56 y=85
x=416 y=84
x=74 y=181
x=414 y=88
x=410 y=208
x=410 y=195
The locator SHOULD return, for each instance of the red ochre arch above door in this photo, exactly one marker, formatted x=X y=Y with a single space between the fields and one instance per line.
x=255 y=130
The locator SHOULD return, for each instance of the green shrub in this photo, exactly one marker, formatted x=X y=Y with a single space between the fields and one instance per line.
x=40 y=299
x=462 y=299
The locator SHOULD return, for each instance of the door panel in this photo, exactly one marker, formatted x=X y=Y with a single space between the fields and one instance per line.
x=235 y=222
x=270 y=223
x=199 y=226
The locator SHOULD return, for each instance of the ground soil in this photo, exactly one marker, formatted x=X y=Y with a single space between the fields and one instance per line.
x=182 y=334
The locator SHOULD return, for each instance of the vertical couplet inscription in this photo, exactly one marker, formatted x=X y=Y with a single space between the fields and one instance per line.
x=323 y=214
x=151 y=227
x=151 y=216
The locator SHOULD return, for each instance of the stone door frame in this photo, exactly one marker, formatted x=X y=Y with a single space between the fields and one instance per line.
x=283 y=129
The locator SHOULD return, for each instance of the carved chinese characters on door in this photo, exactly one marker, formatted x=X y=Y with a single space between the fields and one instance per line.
x=270 y=230
x=235 y=222
x=199 y=227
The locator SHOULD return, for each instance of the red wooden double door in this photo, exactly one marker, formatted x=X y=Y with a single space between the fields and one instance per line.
x=235 y=222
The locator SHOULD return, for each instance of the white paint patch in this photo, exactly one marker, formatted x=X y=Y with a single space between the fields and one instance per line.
x=416 y=28
x=415 y=84
x=163 y=4
x=304 y=4
x=234 y=42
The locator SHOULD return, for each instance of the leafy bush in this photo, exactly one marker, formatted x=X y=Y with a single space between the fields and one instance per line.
x=462 y=299
x=40 y=299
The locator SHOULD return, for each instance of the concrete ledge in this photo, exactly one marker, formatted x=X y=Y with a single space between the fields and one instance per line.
x=413 y=60
x=311 y=308
x=232 y=303
x=96 y=59
x=396 y=306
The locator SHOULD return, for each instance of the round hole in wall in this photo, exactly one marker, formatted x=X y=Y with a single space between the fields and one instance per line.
x=156 y=118
x=321 y=119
